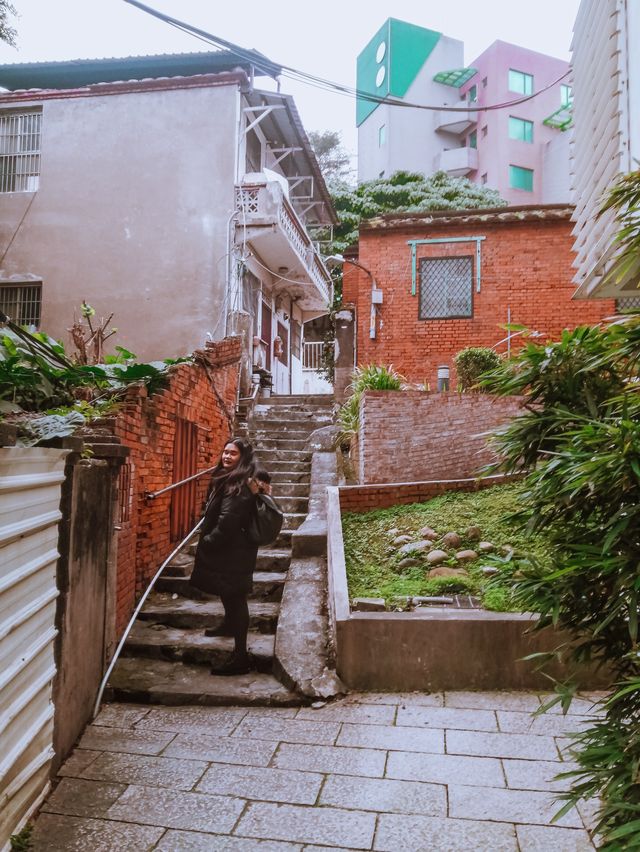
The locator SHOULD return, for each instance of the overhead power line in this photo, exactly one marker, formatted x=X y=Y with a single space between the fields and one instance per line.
x=274 y=70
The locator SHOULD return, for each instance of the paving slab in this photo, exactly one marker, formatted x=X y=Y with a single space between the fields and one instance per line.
x=199 y=746
x=125 y=740
x=150 y=771
x=392 y=738
x=197 y=811
x=536 y=838
x=527 y=746
x=325 y=826
x=447 y=717
x=552 y=725
x=56 y=833
x=537 y=774
x=522 y=701
x=524 y=806
x=192 y=841
x=445 y=769
x=213 y=720
x=343 y=711
x=342 y=761
x=582 y=705
x=420 y=834
x=264 y=784
x=288 y=730
x=385 y=796
x=77 y=797
x=406 y=699
x=120 y=715
x=77 y=762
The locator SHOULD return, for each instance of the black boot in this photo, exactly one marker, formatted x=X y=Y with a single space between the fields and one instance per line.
x=238 y=663
x=223 y=630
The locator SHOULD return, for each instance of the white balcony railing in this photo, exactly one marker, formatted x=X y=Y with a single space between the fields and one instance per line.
x=457 y=161
x=312 y=354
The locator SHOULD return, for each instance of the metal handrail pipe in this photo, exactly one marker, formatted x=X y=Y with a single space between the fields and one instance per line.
x=141 y=603
x=151 y=495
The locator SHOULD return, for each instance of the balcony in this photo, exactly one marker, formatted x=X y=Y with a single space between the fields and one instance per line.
x=268 y=222
x=454 y=122
x=457 y=161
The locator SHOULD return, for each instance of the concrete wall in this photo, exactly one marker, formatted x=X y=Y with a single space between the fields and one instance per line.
x=131 y=214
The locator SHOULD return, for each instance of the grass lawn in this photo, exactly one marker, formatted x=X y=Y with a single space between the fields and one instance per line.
x=372 y=560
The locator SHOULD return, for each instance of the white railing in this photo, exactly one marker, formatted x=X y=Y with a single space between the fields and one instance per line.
x=312 y=354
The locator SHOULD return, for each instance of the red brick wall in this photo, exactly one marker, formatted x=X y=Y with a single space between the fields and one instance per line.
x=365 y=498
x=147 y=426
x=410 y=436
x=526 y=265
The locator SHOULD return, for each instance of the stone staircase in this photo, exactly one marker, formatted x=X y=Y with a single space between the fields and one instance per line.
x=166 y=659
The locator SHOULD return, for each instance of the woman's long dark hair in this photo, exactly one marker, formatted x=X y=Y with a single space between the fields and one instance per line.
x=231 y=482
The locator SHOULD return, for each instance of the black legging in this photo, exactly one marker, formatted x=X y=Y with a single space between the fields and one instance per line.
x=236 y=616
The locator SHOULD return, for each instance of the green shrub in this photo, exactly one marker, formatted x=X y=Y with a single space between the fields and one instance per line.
x=472 y=362
x=370 y=377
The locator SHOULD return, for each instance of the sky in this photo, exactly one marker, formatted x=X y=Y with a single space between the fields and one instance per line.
x=322 y=38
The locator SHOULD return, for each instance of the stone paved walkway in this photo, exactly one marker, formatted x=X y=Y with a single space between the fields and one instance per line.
x=460 y=771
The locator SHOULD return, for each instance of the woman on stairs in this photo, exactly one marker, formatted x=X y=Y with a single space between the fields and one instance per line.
x=225 y=557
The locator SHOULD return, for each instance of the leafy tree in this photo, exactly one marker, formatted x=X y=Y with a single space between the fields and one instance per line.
x=408 y=192
x=333 y=158
x=7 y=32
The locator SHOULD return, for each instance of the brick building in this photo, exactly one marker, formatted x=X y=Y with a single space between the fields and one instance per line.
x=430 y=284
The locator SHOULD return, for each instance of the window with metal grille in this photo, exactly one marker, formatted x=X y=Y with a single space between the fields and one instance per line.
x=21 y=302
x=20 y=151
x=446 y=287
x=627 y=303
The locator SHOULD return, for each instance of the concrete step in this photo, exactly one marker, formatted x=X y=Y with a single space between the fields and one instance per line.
x=290 y=489
x=283 y=541
x=159 y=642
x=273 y=454
x=269 y=559
x=292 y=504
x=161 y=682
x=163 y=608
x=302 y=467
x=264 y=445
x=267 y=586
x=292 y=520
x=319 y=399
x=280 y=431
x=290 y=419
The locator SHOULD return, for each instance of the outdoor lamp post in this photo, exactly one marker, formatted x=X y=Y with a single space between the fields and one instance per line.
x=376 y=292
x=443 y=378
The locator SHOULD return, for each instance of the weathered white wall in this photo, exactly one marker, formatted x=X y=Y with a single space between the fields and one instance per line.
x=30 y=481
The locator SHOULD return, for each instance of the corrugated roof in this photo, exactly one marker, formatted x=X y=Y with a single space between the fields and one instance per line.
x=75 y=73
x=490 y=215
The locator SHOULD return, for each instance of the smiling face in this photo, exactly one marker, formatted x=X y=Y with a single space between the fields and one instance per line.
x=230 y=456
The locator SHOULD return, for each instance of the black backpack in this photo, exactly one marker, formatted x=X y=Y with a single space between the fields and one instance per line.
x=266 y=521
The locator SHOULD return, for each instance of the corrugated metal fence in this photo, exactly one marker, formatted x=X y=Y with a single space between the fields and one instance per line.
x=30 y=481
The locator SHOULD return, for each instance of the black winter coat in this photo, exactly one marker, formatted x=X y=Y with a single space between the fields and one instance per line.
x=225 y=558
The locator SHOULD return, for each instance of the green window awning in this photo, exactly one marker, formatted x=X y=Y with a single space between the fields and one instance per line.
x=458 y=77
x=561 y=119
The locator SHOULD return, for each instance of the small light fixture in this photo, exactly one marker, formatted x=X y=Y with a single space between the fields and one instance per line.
x=443 y=378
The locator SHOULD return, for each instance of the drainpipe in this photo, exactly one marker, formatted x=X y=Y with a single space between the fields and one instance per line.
x=376 y=292
x=229 y=272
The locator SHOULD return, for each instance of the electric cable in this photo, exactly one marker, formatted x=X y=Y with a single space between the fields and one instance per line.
x=274 y=70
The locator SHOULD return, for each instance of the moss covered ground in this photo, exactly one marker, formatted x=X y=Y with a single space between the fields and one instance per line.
x=372 y=560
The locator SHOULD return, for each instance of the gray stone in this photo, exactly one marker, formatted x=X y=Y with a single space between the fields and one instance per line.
x=55 y=833
x=327 y=685
x=537 y=775
x=445 y=769
x=447 y=571
x=192 y=841
x=393 y=532
x=77 y=762
x=335 y=759
x=486 y=547
x=534 y=838
x=368 y=604
x=151 y=771
x=402 y=539
x=489 y=570
x=509 y=806
x=527 y=746
x=385 y=795
x=120 y=715
x=328 y=826
x=553 y=724
x=392 y=738
x=399 y=831
x=196 y=811
x=415 y=547
x=289 y=731
x=271 y=785
x=447 y=717
x=506 y=549
x=436 y=556
x=451 y=539
x=125 y=739
x=198 y=746
x=428 y=533
x=77 y=797
x=219 y=720
x=466 y=555
x=408 y=562
x=473 y=533
x=346 y=711
x=522 y=701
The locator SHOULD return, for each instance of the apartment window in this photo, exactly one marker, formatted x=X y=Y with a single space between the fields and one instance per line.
x=520 y=178
x=21 y=302
x=446 y=288
x=520 y=82
x=521 y=129
x=483 y=178
x=472 y=94
x=566 y=95
x=473 y=139
x=484 y=131
x=382 y=135
x=20 y=151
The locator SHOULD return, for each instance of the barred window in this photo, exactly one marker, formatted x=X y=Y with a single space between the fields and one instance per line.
x=20 y=151
x=446 y=287
x=627 y=303
x=21 y=302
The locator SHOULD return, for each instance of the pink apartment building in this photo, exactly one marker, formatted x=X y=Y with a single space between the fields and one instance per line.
x=522 y=149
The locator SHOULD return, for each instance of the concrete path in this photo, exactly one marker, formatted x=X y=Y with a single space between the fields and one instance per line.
x=460 y=771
